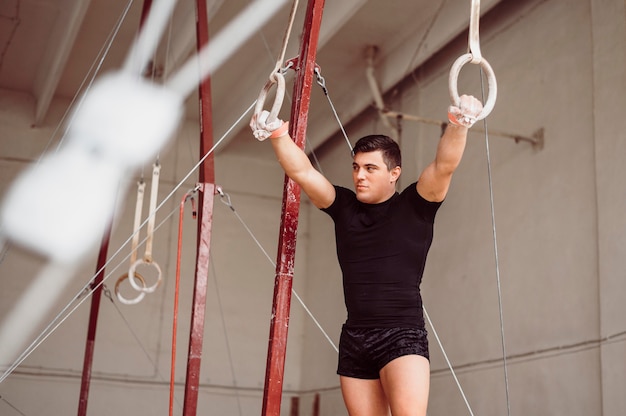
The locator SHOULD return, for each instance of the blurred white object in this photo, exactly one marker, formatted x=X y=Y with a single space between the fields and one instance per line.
x=61 y=206
x=126 y=119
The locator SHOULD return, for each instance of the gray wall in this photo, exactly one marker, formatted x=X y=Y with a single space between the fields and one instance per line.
x=561 y=67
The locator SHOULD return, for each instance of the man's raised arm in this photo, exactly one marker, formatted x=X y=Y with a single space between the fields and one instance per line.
x=434 y=182
x=296 y=163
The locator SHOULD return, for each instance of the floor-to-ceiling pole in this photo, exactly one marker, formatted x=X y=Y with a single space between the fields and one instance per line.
x=90 y=343
x=279 y=324
x=205 y=218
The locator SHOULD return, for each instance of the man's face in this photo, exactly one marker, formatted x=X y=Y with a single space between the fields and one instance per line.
x=373 y=181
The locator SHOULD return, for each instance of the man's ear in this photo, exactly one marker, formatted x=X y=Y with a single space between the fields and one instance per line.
x=395 y=173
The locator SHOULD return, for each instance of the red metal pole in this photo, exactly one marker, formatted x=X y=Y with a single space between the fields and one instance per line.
x=90 y=344
x=205 y=219
x=279 y=324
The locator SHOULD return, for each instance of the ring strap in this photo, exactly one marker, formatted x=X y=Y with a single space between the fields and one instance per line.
x=154 y=191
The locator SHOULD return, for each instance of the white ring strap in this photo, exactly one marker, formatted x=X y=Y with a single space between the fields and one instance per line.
x=475 y=57
x=154 y=192
x=276 y=77
x=474 y=38
x=141 y=186
x=147 y=257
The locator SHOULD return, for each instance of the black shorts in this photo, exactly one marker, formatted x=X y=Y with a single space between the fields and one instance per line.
x=363 y=352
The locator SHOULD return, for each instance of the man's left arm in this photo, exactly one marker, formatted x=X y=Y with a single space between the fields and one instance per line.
x=434 y=181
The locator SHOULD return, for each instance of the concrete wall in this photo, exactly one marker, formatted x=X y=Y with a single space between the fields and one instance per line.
x=561 y=68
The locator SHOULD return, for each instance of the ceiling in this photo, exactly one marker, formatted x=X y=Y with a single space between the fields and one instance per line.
x=52 y=48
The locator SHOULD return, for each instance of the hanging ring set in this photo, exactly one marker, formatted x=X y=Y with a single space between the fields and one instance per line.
x=136 y=280
x=474 y=56
x=276 y=78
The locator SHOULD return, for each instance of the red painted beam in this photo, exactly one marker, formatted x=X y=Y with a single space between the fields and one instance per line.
x=90 y=343
x=205 y=220
x=279 y=325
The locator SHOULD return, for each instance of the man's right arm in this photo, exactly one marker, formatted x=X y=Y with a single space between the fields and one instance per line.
x=298 y=167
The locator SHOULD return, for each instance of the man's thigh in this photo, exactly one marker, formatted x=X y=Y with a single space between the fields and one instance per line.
x=406 y=383
x=364 y=397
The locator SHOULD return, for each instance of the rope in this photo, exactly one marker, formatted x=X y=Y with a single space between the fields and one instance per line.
x=187 y=196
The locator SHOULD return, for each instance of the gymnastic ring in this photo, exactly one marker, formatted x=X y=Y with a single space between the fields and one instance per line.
x=491 y=79
x=131 y=276
x=278 y=79
x=136 y=299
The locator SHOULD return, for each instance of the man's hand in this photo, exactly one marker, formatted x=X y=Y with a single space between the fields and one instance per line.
x=466 y=113
x=263 y=130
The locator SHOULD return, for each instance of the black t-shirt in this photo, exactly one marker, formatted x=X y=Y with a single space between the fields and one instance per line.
x=382 y=251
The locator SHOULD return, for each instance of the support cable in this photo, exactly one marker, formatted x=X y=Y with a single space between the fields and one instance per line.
x=474 y=56
x=452 y=371
x=221 y=47
x=497 y=265
x=88 y=289
x=96 y=65
x=322 y=83
x=151 y=19
x=445 y=356
x=54 y=324
x=225 y=198
x=12 y=406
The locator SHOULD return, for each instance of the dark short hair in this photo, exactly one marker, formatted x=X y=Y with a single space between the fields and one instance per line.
x=374 y=142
